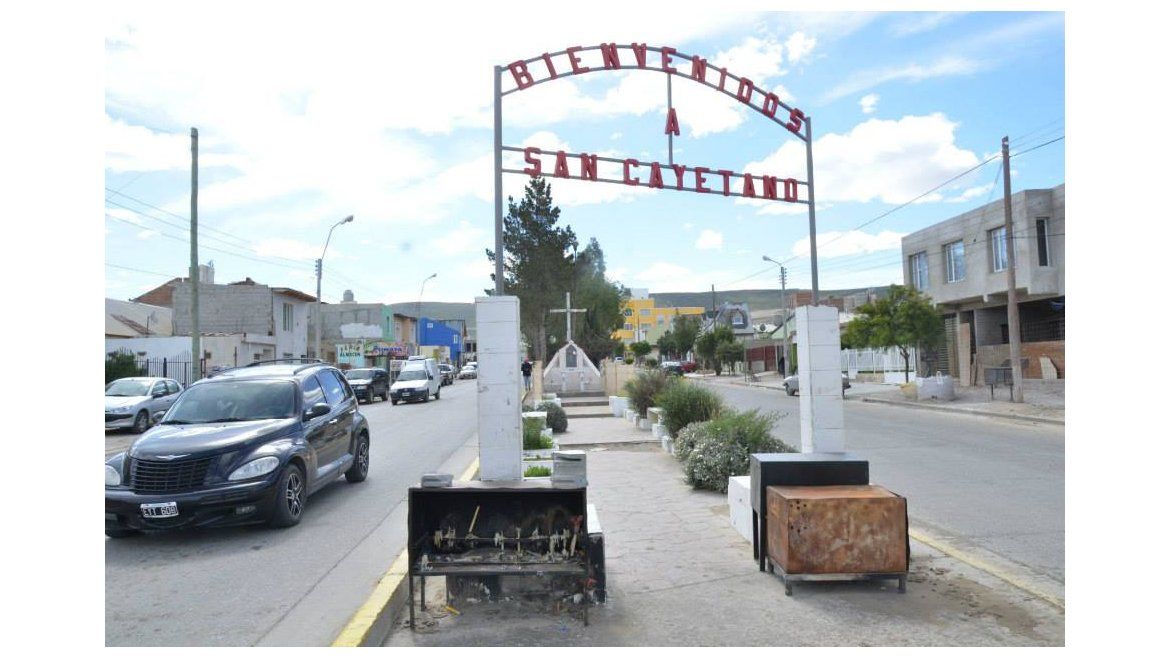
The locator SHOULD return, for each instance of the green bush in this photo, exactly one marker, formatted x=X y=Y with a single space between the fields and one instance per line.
x=644 y=387
x=533 y=439
x=557 y=419
x=651 y=362
x=685 y=439
x=684 y=403
x=119 y=365
x=720 y=448
x=537 y=472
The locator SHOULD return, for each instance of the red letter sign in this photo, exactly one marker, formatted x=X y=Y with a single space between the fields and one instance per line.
x=667 y=51
x=588 y=167
x=698 y=68
x=576 y=61
x=795 y=117
x=790 y=189
x=626 y=171
x=671 y=122
x=655 y=175
x=639 y=54
x=726 y=174
x=679 y=170
x=520 y=72
x=530 y=154
x=769 y=187
x=699 y=180
x=771 y=102
x=744 y=93
x=561 y=170
x=609 y=56
x=749 y=188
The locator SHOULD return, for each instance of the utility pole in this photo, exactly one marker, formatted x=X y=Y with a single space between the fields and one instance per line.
x=196 y=351
x=1013 y=310
x=784 y=311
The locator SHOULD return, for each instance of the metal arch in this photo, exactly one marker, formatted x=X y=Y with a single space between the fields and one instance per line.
x=658 y=49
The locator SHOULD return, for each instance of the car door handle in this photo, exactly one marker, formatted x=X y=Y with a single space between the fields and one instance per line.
x=334 y=421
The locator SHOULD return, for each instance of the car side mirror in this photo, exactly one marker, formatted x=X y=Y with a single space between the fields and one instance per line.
x=318 y=410
x=158 y=395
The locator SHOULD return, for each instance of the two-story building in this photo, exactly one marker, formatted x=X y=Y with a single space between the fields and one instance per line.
x=644 y=321
x=961 y=263
x=359 y=334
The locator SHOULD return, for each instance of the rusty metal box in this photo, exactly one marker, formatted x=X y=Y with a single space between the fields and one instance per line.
x=838 y=529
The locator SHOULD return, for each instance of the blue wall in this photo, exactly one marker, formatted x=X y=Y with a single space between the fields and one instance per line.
x=433 y=332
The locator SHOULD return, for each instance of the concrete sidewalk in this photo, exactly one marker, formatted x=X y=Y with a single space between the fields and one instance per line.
x=1043 y=400
x=679 y=575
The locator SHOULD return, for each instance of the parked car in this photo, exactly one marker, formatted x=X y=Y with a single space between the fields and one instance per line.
x=246 y=446
x=448 y=372
x=792 y=384
x=689 y=366
x=368 y=383
x=132 y=402
x=418 y=380
x=672 y=367
x=468 y=372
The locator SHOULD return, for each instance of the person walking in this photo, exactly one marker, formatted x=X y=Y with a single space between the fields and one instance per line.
x=526 y=370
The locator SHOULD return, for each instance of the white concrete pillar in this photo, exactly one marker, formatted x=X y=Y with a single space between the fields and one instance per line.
x=818 y=359
x=499 y=387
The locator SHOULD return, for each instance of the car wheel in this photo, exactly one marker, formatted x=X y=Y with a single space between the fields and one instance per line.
x=290 y=498
x=120 y=532
x=141 y=422
x=386 y=395
x=789 y=391
x=361 y=461
x=438 y=391
x=393 y=402
x=370 y=396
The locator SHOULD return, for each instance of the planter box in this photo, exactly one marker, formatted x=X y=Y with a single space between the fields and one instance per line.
x=644 y=424
x=668 y=444
x=654 y=414
x=542 y=415
x=620 y=405
x=659 y=430
x=631 y=415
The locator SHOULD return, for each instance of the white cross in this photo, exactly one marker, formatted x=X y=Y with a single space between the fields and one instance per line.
x=568 y=311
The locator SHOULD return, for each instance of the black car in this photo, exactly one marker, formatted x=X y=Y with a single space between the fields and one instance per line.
x=448 y=372
x=245 y=446
x=369 y=383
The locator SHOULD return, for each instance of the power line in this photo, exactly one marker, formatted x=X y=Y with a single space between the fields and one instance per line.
x=175 y=215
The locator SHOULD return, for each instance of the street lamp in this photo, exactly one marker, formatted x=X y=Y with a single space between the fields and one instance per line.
x=320 y=261
x=418 y=313
x=783 y=308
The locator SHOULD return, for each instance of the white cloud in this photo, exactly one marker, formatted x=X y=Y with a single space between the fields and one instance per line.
x=667 y=277
x=146 y=234
x=754 y=58
x=465 y=239
x=868 y=79
x=869 y=103
x=709 y=239
x=915 y=23
x=294 y=249
x=834 y=244
x=977 y=192
x=886 y=160
x=799 y=45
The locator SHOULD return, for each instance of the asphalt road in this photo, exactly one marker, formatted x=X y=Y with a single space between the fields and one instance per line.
x=296 y=586
x=989 y=485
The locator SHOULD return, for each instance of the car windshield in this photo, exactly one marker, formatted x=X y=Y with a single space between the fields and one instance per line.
x=233 y=401
x=412 y=375
x=128 y=388
x=364 y=373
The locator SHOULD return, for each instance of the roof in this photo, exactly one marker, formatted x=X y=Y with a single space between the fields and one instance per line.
x=130 y=319
x=304 y=297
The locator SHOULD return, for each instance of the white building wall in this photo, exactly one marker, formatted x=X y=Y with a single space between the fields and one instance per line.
x=296 y=340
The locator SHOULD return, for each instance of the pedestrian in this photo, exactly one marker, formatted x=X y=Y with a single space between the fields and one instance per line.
x=526 y=370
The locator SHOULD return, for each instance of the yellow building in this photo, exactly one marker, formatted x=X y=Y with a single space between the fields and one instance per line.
x=645 y=321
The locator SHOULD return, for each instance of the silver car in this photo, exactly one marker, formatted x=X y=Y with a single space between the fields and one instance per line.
x=132 y=402
x=792 y=384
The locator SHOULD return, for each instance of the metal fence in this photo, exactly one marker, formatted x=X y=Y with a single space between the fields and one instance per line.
x=887 y=362
x=177 y=368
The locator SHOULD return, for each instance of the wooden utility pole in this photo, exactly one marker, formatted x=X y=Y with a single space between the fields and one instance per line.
x=196 y=352
x=1013 y=311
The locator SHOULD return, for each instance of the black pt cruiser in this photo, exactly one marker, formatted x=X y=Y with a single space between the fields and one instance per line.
x=245 y=446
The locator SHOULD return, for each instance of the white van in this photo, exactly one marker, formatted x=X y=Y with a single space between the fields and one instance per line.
x=419 y=379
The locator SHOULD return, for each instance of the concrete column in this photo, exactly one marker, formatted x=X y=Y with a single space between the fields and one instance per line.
x=499 y=387
x=818 y=358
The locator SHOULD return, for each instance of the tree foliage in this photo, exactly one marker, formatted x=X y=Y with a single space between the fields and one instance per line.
x=707 y=346
x=640 y=349
x=905 y=318
x=541 y=263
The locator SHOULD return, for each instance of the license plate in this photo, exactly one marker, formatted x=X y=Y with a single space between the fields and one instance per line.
x=159 y=510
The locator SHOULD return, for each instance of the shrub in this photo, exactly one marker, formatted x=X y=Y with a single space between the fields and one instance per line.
x=720 y=448
x=685 y=440
x=651 y=362
x=533 y=439
x=643 y=387
x=683 y=404
x=557 y=419
x=537 y=472
x=119 y=365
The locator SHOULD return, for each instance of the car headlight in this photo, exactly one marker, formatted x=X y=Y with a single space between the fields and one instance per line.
x=255 y=468
x=118 y=410
x=113 y=477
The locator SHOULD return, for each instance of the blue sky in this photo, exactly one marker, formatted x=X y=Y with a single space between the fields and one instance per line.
x=306 y=119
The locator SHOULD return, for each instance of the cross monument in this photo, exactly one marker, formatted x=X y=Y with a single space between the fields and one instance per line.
x=568 y=311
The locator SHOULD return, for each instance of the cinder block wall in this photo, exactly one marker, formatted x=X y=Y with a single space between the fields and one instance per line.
x=225 y=309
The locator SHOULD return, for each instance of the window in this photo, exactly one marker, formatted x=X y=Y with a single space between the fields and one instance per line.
x=313 y=393
x=1042 y=241
x=997 y=238
x=956 y=267
x=661 y=320
x=334 y=388
x=628 y=312
x=172 y=387
x=645 y=312
x=645 y=325
x=159 y=389
x=288 y=316
x=918 y=273
x=628 y=327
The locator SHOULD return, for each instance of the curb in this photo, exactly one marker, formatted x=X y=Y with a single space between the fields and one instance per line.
x=971 y=412
x=374 y=620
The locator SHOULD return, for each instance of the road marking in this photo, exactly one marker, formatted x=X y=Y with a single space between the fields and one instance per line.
x=357 y=631
x=969 y=559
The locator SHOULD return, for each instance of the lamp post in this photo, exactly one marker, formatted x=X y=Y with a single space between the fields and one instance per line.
x=783 y=309
x=417 y=314
x=320 y=262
